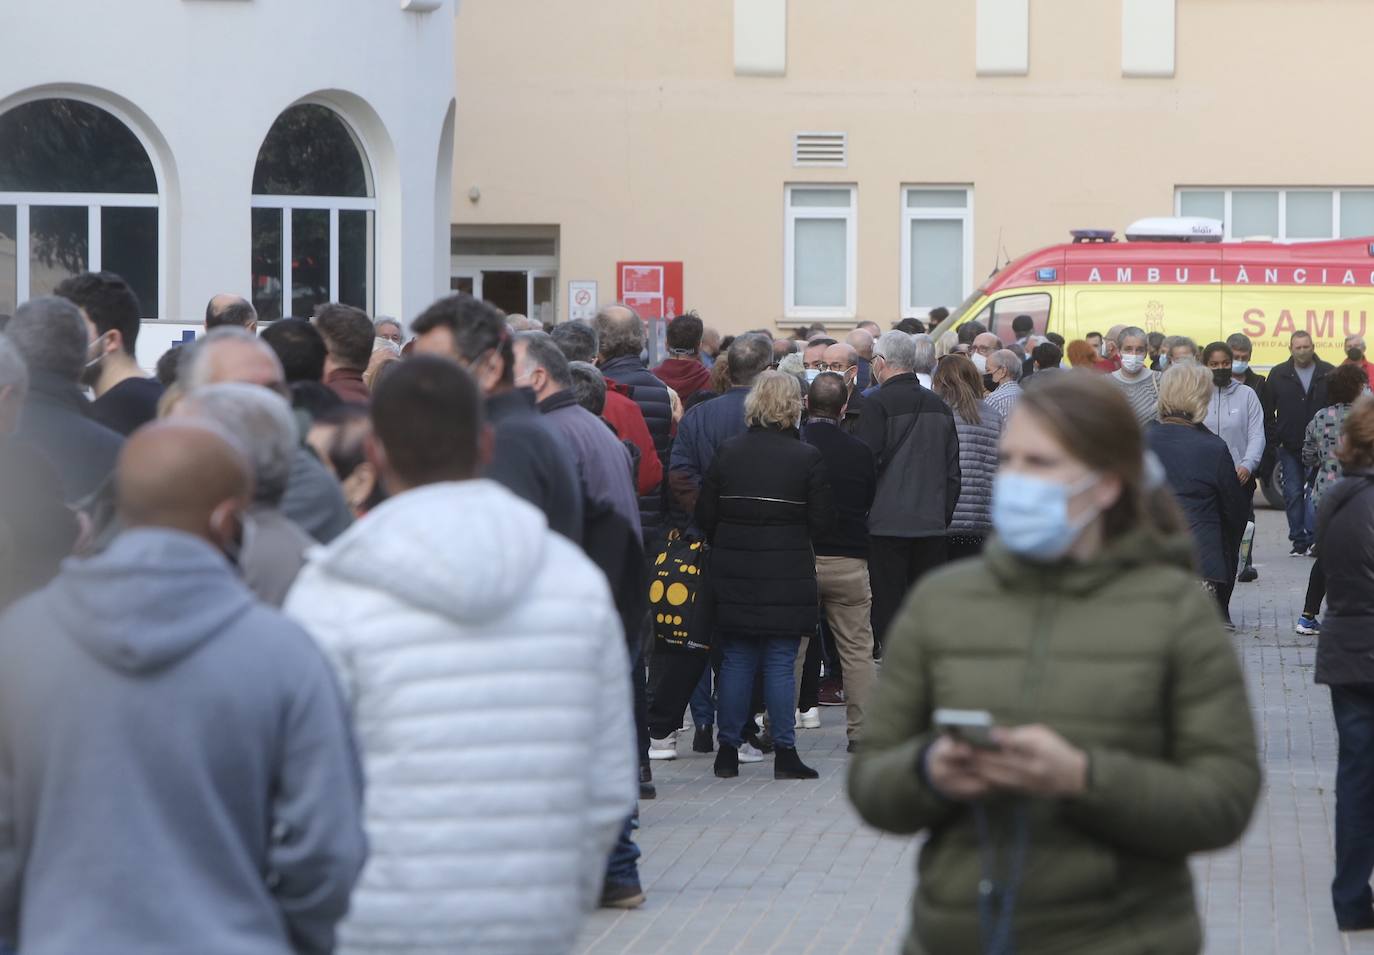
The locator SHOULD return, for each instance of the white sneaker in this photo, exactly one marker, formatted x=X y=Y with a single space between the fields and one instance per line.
x=809 y=719
x=665 y=748
x=748 y=754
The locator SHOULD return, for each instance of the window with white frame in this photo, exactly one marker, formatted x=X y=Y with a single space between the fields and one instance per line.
x=313 y=216
x=77 y=193
x=937 y=247
x=820 y=258
x=1289 y=214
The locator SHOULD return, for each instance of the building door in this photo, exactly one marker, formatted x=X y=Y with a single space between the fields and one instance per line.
x=513 y=268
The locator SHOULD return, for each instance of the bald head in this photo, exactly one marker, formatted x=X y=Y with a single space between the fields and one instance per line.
x=232 y=354
x=183 y=475
x=230 y=311
x=986 y=343
x=862 y=342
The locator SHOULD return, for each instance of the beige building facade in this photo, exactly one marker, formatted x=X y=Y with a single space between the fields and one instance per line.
x=836 y=161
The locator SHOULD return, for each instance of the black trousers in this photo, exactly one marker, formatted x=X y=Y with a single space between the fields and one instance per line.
x=809 y=691
x=673 y=676
x=894 y=565
x=1316 y=590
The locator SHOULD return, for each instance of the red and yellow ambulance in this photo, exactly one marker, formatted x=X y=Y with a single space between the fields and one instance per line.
x=1177 y=277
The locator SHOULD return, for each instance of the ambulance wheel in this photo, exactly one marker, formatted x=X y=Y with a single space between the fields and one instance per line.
x=1273 y=496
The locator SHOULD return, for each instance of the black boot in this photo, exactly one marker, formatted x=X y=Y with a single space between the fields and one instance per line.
x=701 y=742
x=647 y=789
x=727 y=761
x=788 y=765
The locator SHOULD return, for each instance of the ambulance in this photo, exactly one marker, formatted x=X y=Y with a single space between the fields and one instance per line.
x=1176 y=276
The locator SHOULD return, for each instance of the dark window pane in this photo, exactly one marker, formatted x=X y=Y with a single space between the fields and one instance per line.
x=355 y=259
x=58 y=246
x=61 y=145
x=309 y=152
x=267 y=273
x=460 y=283
x=9 y=261
x=309 y=261
x=128 y=246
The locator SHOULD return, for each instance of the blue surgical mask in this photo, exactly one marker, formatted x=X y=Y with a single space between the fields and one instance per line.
x=812 y=374
x=1163 y=361
x=1239 y=367
x=1031 y=515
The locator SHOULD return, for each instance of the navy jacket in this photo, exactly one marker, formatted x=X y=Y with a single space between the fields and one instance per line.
x=530 y=460
x=700 y=433
x=853 y=482
x=1202 y=475
x=652 y=397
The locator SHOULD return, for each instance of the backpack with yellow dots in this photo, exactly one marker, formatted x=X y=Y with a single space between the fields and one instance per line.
x=679 y=598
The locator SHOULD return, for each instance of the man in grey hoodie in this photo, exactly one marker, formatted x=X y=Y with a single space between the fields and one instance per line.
x=177 y=772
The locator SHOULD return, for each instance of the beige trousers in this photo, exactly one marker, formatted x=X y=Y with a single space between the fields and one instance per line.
x=847 y=604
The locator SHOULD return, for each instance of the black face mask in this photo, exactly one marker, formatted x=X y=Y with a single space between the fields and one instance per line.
x=1221 y=376
x=1355 y=354
x=988 y=383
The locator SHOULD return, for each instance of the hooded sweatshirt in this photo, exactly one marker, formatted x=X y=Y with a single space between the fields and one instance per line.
x=486 y=671
x=178 y=774
x=1235 y=415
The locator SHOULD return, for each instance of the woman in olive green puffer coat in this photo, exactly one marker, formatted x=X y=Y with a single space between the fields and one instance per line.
x=1127 y=742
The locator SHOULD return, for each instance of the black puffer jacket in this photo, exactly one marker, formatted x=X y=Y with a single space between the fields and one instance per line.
x=977 y=469
x=1345 y=547
x=766 y=497
x=652 y=397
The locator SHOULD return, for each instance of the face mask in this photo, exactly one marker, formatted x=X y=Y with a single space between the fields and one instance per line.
x=1031 y=515
x=1355 y=354
x=1132 y=363
x=812 y=374
x=1221 y=377
x=989 y=384
x=1163 y=361
x=980 y=361
x=90 y=372
x=1239 y=367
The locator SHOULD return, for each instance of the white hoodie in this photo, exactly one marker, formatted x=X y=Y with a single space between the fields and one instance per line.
x=487 y=677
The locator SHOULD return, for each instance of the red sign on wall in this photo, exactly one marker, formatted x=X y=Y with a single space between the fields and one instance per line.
x=653 y=289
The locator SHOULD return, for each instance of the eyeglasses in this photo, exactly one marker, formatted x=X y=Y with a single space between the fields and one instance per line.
x=838 y=366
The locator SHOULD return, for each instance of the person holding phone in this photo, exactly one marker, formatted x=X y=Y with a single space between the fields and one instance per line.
x=1120 y=741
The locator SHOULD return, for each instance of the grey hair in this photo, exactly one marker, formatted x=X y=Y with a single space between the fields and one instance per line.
x=13 y=372
x=795 y=366
x=1241 y=341
x=543 y=352
x=748 y=356
x=50 y=335
x=923 y=354
x=1132 y=331
x=577 y=340
x=897 y=349
x=619 y=334
x=948 y=342
x=1006 y=359
x=388 y=320
x=1174 y=341
x=588 y=386
x=193 y=368
x=261 y=423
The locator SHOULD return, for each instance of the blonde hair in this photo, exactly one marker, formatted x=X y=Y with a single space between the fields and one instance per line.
x=1183 y=392
x=774 y=400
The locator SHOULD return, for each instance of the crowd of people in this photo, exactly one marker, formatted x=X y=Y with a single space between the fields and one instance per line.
x=360 y=633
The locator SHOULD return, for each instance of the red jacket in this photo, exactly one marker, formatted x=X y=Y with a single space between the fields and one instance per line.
x=624 y=416
x=347 y=383
x=686 y=376
x=1366 y=367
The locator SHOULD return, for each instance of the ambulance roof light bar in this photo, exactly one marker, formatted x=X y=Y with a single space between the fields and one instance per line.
x=1175 y=229
x=1092 y=235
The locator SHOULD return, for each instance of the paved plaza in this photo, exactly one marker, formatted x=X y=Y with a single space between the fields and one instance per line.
x=750 y=865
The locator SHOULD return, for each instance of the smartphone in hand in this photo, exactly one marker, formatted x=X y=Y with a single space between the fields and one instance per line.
x=968 y=726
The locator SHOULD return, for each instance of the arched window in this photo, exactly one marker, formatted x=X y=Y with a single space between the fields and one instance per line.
x=313 y=211
x=77 y=193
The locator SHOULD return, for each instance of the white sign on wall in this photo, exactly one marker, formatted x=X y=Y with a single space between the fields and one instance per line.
x=582 y=303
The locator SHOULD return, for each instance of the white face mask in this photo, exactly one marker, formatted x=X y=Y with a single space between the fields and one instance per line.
x=1132 y=363
x=980 y=361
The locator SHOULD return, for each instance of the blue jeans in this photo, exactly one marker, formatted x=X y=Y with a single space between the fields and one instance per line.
x=703 y=707
x=1353 y=707
x=623 y=866
x=1293 y=482
x=743 y=657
